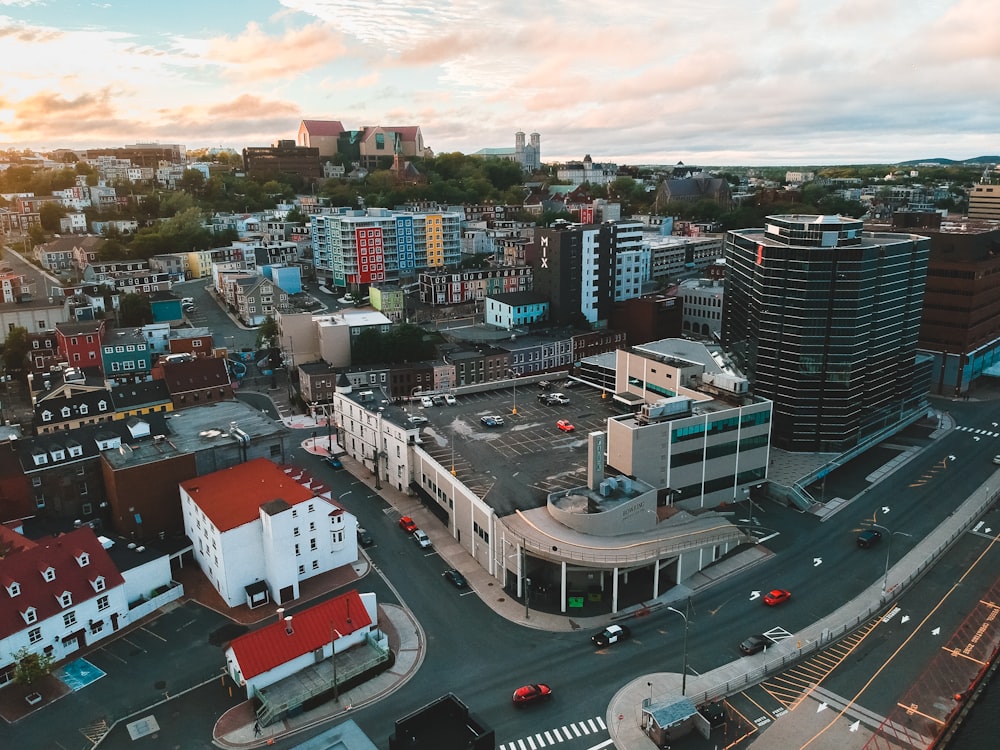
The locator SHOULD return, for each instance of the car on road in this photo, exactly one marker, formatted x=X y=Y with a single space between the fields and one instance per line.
x=457 y=579
x=528 y=694
x=565 y=425
x=334 y=462
x=416 y=420
x=611 y=634
x=406 y=524
x=558 y=398
x=775 y=597
x=421 y=538
x=493 y=420
x=754 y=644
x=426 y=401
x=996 y=459
x=450 y=400
x=364 y=538
x=187 y=300
x=869 y=538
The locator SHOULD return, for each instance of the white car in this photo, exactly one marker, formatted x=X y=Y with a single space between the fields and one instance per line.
x=422 y=539
x=426 y=401
x=450 y=400
x=558 y=398
x=187 y=300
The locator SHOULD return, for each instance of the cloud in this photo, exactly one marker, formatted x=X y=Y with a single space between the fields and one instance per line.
x=255 y=54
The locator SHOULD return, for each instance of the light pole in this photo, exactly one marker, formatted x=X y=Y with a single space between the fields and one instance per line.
x=684 y=674
x=514 y=410
x=888 y=551
x=527 y=589
x=333 y=660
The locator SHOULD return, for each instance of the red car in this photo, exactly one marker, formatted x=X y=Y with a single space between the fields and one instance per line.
x=565 y=425
x=531 y=694
x=776 y=596
x=406 y=524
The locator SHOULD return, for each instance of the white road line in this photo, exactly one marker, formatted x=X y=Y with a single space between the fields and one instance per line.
x=548 y=736
x=565 y=731
x=576 y=731
x=606 y=743
x=593 y=725
x=584 y=728
x=531 y=743
x=600 y=721
x=541 y=742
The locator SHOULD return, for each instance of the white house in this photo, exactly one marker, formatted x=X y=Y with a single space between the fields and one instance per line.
x=257 y=531
x=57 y=595
x=290 y=644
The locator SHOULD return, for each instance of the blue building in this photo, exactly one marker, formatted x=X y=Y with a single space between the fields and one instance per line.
x=516 y=309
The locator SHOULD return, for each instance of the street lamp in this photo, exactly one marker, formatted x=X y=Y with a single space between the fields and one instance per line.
x=527 y=589
x=888 y=551
x=684 y=674
x=333 y=660
x=514 y=410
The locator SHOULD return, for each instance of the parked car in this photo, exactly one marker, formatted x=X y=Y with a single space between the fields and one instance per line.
x=565 y=425
x=426 y=401
x=754 y=644
x=406 y=524
x=334 y=462
x=558 y=398
x=543 y=398
x=438 y=400
x=364 y=538
x=422 y=539
x=456 y=578
x=532 y=694
x=869 y=538
x=187 y=300
x=611 y=634
x=493 y=420
x=544 y=384
x=775 y=597
x=450 y=400
x=416 y=420
x=996 y=459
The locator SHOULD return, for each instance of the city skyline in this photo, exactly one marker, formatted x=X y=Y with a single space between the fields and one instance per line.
x=785 y=82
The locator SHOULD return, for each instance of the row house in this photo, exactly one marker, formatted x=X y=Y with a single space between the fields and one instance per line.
x=257 y=298
x=535 y=354
x=34 y=203
x=480 y=365
x=59 y=254
x=80 y=342
x=18 y=222
x=125 y=357
x=60 y=594
x=73 y=223
x=196 y=382
x=74 y=198
x=473 y=284
x=15 y=287
x=74 y=402
x=198 y=342
x=317 y=382
x=43 y=351
x=141 y=399
x=172 y=264
x=145 y=282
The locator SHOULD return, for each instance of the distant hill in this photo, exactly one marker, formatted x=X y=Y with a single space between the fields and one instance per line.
x=947 y=162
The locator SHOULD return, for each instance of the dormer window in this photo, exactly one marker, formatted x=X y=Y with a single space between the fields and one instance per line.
x=102 y=405
x=83 y=559
x=99 y=584
x=46 y=416
x=49 y=573
x=65 y=599
x=58 y=454
x=30 y=615
x=75 y=449
x=13 y=589
x=41 y=458
x=65 y=411
x=83 y=408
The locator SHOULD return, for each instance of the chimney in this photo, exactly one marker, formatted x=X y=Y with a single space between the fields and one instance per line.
x=288 y=625
x=281 y=614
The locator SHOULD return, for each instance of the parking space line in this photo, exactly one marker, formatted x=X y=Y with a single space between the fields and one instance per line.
x=155 y=635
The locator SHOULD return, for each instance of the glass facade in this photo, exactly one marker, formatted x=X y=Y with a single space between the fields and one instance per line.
x=824 y=320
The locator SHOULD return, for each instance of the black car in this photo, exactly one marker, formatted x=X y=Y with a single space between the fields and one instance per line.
x=364 y=538
x=754 y=644
x=611 y=634
x=869 y=538
x=457 y=579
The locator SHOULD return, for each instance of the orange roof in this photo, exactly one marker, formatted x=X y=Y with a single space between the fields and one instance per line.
x=231 y=497
x=262 y=650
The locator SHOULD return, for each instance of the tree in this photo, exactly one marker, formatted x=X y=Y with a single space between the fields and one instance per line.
x=268 y=332
x=15 y=349
x=135 y=310
x=296 y=216
x=30 y=666
x=49 y=215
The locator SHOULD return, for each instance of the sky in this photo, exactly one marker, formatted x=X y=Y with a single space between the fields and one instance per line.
x=706 y=82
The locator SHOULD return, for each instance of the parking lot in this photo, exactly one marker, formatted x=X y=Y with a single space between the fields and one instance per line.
x=514 y=466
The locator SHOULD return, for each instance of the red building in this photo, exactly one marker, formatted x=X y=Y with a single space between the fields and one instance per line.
x=80 y=342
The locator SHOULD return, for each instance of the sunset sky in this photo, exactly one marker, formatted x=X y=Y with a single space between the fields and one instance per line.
x=711 y=82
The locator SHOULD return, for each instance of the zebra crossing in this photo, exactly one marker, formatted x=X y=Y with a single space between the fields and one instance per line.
x=558 y=735
x=978 y=431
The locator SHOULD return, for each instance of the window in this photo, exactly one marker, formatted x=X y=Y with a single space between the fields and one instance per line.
x=66 y=599
x=295 y=531
x=103 y=602
x=315 y=564
x=36 y=481
x=83 y=560
x=312 y=545
x=14 y=589
x=69 y=619
x=49 y=574
x=99 y=583
x=34 y=635
x=302 y=570
x=298 y=552
x=30 y=615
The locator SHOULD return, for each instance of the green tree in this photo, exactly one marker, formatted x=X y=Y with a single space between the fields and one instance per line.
x=296 y=216
x=50 y=214
x=135 y=310
x=30 y=666
x=15 y=349
x=268 y=332
x=36 y=235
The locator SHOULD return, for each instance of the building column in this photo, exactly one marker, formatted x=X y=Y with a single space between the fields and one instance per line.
x=614 y=591
x=562 y=585
x=656 y=577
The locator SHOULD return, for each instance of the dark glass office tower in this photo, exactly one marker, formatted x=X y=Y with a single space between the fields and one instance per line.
x=824 y=318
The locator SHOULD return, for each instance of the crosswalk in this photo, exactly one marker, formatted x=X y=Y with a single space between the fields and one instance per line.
x=558 y=735
x=978 y=431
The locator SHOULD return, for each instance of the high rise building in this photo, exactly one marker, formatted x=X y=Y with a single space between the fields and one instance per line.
x=824 y=319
